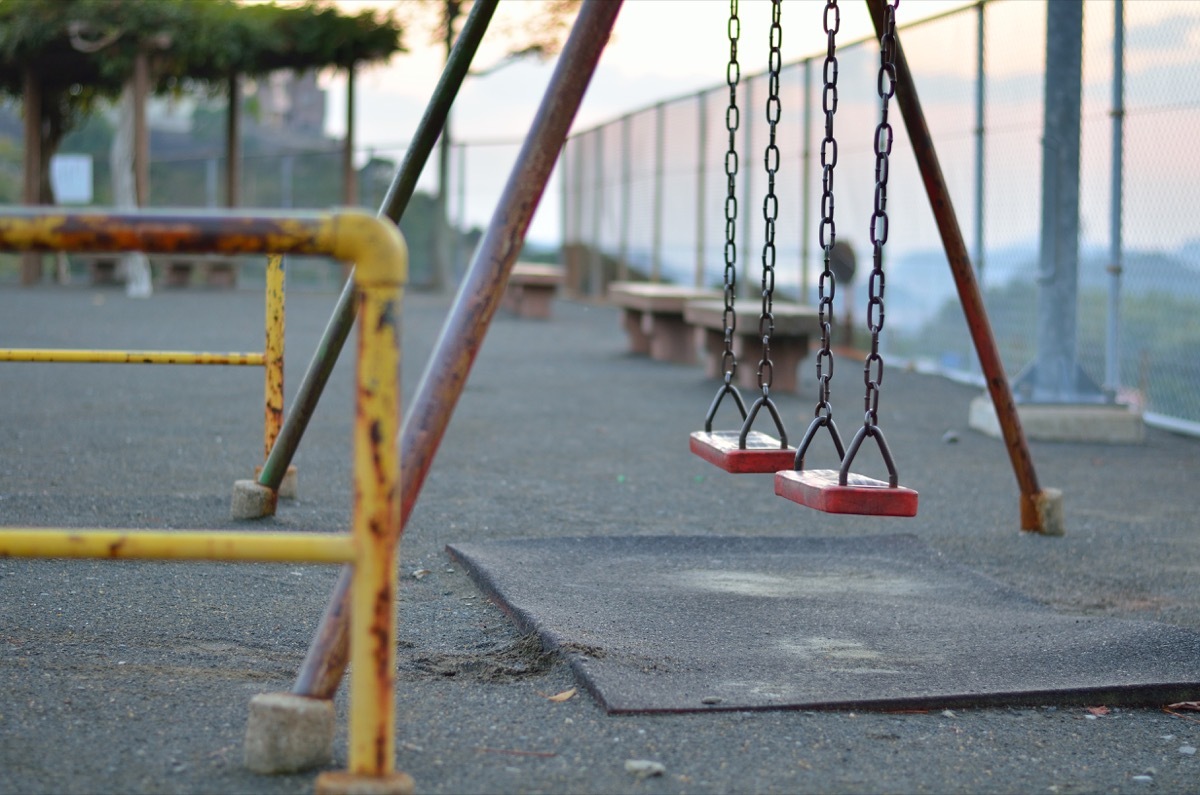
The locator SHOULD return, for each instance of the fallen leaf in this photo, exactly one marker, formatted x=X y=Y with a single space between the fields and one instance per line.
x=1190 y=705
x=563 y=696
x=1098 y=711
x=421 y=573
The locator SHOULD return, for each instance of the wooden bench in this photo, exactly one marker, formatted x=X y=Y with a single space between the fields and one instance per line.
x=652 y=316
x=216 y=271
x=531 y=289
x=794 y=325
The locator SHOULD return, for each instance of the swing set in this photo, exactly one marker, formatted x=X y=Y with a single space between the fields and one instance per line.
x=747 y=450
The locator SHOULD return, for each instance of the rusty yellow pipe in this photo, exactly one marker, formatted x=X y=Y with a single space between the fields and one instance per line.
x=273 y=353
x=128 y=357
x=381 y=259
x=372 y=246
x=26 y=542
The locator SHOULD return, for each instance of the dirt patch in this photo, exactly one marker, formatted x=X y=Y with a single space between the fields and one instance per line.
x=521 y=659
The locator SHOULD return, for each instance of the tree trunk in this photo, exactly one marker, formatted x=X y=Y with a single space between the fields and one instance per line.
x=31 y=261
x=135 y=265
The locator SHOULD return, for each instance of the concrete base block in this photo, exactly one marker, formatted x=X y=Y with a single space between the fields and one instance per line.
x=251 y=501
x=341 y=782
x=287 y=486
x=287 y=733
x=1109 y=423
x=1049 y=506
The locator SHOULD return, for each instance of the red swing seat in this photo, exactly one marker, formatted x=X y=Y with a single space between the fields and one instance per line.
x=761 y=454
x=819 y=489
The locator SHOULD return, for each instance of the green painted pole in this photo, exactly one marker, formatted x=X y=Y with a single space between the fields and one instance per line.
x=394 y=204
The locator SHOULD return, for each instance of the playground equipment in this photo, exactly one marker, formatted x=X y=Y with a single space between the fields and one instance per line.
x=747 y=450
x=842 y=491
x=271 y=360
x=379 y=251
x=480 y=295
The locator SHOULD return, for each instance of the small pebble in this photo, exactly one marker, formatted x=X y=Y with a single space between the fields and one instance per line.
x=1190 y=750
x=948 y=714
x=644 y=768
x=1144 y=779
x=711 y=700
x=950 y=437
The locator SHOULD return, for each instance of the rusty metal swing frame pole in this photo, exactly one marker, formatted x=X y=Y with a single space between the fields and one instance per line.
x=399 y=193
x=476 y=303
x=1039 y=508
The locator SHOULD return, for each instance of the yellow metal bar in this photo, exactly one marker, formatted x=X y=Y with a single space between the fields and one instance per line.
x=128 y=357
x=27 y=542
x=381 y=262
x=273 y=420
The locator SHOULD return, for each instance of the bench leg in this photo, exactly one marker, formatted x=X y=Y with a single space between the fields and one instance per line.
x=639 y=342
x=714 y=352
x=671 y=338
x=786 y=356
x=534 y=301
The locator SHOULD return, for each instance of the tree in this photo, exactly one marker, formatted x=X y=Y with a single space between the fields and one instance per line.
x=65 y=56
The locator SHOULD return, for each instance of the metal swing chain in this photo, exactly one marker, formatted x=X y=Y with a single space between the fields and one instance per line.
x=732 y=122
x=729 y=317
x=827 y=232
x=827 y=235
x=873 y=367
x=886 y=85
x=766 y=322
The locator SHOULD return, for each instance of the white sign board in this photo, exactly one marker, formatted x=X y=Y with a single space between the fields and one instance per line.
x=71 y=178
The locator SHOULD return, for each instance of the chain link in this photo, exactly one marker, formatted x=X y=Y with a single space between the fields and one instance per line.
x=827 y=233
x=732 y=122
x=766 y=322
x=886 y=87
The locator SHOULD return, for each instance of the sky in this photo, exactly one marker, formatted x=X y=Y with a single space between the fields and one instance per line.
x=659 y=49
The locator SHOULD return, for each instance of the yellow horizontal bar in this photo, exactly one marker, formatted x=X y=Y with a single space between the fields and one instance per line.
x=129 y=357
x=28 y=542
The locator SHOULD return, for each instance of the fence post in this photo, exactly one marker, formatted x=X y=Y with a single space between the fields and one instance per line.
x=806 y=183
x=747 y=175
x=659 y=155
x=626 y=195
x=596 y=265
x=1112 y=351
x=980 y=78
x=701 y=188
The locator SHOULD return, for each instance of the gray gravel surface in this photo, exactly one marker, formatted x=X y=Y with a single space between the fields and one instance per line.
x=136 y=677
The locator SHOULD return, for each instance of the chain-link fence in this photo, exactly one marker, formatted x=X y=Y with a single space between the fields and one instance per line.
x=644 y=195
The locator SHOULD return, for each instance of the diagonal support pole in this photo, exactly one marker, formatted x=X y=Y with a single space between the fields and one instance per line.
x=467 y=323
x=1040 y=509
x=394 y=204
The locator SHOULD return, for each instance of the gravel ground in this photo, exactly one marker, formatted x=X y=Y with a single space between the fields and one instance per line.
x=136 y=677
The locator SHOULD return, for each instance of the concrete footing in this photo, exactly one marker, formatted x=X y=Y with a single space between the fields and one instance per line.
x=1107 y=423
x=287 y=733
x=251 y=501
x=343 y=783
x=287 y=486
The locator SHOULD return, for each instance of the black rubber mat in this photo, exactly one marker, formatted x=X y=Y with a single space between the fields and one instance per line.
x=673 y=623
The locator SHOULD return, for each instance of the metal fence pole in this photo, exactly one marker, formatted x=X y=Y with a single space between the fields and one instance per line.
x=659 y=155
x=806 y=183
x=1055 y=376
x=597 y=258
x=626 y=194
x=1112 y=351
x=747 y=175
x=980 y=131
x=701 y=188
